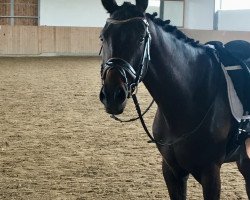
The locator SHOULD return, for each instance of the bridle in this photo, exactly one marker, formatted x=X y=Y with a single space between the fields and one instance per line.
x=124 y=67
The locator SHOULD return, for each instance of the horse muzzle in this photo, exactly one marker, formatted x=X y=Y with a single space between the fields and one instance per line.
x=114 y=100
x=117 y=79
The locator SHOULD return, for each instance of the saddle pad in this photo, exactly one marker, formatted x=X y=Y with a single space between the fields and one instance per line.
x=234 y=101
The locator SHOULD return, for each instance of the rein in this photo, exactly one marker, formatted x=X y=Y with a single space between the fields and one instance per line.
x=136 y=118
x=179 y=139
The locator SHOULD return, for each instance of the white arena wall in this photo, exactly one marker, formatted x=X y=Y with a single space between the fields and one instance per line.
x=198 y=14
x=77 y=13
x=233 y=20
x=201 y=15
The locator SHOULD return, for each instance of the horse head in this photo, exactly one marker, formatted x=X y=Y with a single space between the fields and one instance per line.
x=126 y=42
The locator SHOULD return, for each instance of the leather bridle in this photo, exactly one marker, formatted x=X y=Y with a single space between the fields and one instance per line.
x=124 y=67
x=126 y=70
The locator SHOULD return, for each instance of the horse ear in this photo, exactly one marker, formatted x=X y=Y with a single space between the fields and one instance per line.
x=142 y=4
x=110 y=5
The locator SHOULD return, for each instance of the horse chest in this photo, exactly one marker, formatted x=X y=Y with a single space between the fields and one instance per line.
x=197 y=150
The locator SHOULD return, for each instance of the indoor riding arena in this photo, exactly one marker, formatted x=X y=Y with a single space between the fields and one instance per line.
x=56 y=140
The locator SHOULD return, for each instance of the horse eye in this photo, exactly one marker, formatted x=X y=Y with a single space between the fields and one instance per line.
x=101 y=38
x=142 y=39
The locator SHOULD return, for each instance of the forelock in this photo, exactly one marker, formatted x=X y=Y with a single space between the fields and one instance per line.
x=127 y=11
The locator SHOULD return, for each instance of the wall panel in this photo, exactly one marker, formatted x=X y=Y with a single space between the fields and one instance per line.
x=28 y=40
x=43 y=40
x=47 y=42
x=62 y=40
x=223 y=36
x=5 y=39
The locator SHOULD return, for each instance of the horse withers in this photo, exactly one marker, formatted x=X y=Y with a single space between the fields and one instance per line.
x=193 y=125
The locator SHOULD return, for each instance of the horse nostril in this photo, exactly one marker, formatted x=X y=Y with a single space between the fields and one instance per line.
x=120 y=95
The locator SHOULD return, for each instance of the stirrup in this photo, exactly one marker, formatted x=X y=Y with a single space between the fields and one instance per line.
x=243 y=130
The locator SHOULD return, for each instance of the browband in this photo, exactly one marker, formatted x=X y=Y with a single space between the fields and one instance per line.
x=115 y=21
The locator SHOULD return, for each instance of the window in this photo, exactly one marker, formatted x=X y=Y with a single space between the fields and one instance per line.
x=234 y=5
x=153 y=6
x=174 y=10
x=4 y=11
x=19 y=12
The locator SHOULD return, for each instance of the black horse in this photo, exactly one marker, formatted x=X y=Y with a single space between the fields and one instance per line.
x=193 y=122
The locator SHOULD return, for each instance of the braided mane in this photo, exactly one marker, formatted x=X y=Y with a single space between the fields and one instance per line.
x=128 y=10
x=173 y=30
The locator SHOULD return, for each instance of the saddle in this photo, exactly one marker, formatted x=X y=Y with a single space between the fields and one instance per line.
x=236 y=68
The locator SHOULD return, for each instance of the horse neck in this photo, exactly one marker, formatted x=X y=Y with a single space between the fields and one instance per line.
x=180 y=79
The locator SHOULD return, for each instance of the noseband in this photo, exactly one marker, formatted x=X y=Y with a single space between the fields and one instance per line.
x=124 y=67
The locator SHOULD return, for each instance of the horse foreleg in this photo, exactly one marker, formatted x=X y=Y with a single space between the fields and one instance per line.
x=176 y=182
x=244 y=168
x=210 y=181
